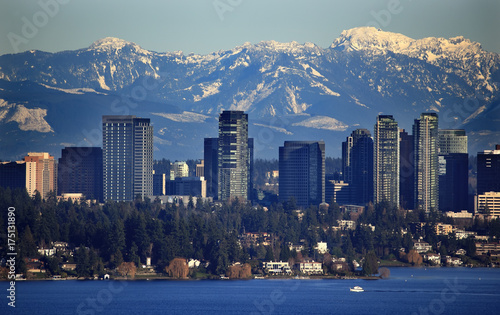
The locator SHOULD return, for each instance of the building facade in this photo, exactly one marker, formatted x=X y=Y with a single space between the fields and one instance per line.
x=361 y=185
x=159 y=184
x=127 y=157
x=80 y=171
x=187 y=186
x=386 y=160
x=13 y=174
x=406 y=170
x=234 y=156
x=211 y=165
x=488 y=170
x=178 y=169
x=453 y=170
x=426 y=190
x=200 y=169
x=452 y=141
x=302 y=172
x=487 y=203
x=41 y=173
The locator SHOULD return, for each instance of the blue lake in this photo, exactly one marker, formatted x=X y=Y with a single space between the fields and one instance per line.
x=408 y=291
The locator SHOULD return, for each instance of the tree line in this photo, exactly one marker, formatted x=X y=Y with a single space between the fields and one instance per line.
x=107 y=235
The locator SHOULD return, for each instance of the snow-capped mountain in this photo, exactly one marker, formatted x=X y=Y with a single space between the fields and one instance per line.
x=290 y=90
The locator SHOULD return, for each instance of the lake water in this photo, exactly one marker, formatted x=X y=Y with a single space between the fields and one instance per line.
x=408 y=291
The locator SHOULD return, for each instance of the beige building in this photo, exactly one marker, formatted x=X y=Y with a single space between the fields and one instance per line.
x=443 y=229
x=310 y=267
x=200 y=169
x=487 y=204
x=41 y=173
x=178 y=169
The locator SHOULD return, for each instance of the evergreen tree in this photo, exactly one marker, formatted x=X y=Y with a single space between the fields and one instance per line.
x=370 y=265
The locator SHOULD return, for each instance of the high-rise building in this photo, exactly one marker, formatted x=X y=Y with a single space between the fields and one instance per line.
x=127 y=157
x=453 y=170
x=426 y=191
x=361 y=186
x=452 y=141
x=211 y=161
x=178 y=169
x=200 y=169
x=159 y=184
x=234 y=158
x=357 y=161
x=80 y=171
x=41 y=173
x=406 y=170
x=487 y=203
x=13 y=174
x=386 y=160
x=302 y=172
x=346 y=159
x=337 y=191
x=187 y=186
x=488 y=171
x=250 y=169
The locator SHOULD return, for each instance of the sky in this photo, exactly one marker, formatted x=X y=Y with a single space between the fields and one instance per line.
x=205 y=26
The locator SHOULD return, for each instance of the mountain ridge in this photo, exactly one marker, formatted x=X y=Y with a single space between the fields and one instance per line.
x=288 y=89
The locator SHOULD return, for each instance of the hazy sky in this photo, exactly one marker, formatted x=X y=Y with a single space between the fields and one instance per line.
x=204 y=26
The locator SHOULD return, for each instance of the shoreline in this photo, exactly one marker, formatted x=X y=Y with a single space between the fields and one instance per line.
x=273 y=277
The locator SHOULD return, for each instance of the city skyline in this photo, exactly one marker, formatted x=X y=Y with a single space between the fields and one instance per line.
x=436 y=152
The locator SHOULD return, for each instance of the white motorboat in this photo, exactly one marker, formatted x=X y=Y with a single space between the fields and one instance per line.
x=357 y=289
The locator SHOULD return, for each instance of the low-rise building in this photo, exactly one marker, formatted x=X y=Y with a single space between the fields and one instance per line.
x=422 y=247
x=462 y=218
x=491 y=248
x=254 y=239
x=35 y=267
x=296 y=247
x=193 y=263
x=453 y=261
x=462 y=234
x=310 y=267
x=347 y=224
x=434 y=259
x=47 y=251
x=488 y=204
x=354 y=211
x=280 y=267
x=443 y=229
x=68 y=266
x=464 y=214
x=321 y=247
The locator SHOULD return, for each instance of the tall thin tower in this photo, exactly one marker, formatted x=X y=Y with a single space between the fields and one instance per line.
x=386 y=160
x=234 y=156
x=127 y=157
x=426 y=191
x=357 y=160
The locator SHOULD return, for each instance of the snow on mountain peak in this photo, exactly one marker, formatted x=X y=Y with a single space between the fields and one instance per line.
x=115 y=44
x=362 y=38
